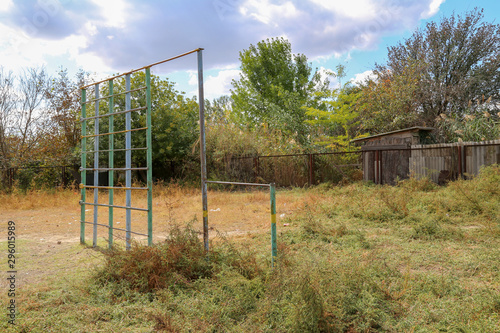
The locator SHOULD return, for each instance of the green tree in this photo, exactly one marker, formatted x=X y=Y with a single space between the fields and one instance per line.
x=23 y=117
x=388 y=102
x=438 y=70
x=8 y=100
x=218 y=111
x=274 y=87
x=174 y=118
x=63 y=97
x=337 y=120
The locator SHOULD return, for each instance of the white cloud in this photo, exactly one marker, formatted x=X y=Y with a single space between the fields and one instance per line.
x=362 y=77
x=219 y=85
x=358 y=9
x=214 y=85
x=123 y=34
x=433 y=8
x=5 y=5
x=267 y=12
x=19 y=51
x=193 y=78
x=326 y=73
x=114 y=12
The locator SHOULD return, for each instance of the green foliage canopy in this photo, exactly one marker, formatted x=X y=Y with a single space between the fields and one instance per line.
x=273 y=88
x=440 y=69
x=339 y=123
x=174 y=118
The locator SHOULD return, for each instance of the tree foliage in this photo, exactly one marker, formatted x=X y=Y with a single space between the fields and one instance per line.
x=23 y=120
x=388 y=102
x=63 y=98
x=336 y=120
x=174 y=118
x=273 y=88
x=440 y=69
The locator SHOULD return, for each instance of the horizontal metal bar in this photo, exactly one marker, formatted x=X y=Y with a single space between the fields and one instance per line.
x=347 y=165
x=107 y=226
x=113 y=187
x=113 y=169
x=235 y=183
x=315 y=154
x=113 y=150
x=120 y=93
x=338 y=153
x=297 y=155
x=40 y=167
x=114 y=113
x=114 y=206
x=142 y=68
x=109 y=133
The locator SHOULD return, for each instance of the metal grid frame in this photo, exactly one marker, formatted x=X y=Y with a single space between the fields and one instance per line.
x=128 y=152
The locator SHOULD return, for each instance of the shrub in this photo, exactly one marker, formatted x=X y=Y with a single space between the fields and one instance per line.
x=175 y=263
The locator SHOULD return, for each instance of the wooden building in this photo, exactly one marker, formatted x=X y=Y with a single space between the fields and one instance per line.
x=386 y=156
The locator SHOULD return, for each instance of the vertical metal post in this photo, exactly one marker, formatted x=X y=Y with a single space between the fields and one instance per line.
x=111 y=163
x=128 y=162
x=464 y=157
x=83 y=173
x=311 y=169
x=380 y=170
x=63 y=176
x=201 y=102
x=149 y=157
x=96 y=165
x=274 y=246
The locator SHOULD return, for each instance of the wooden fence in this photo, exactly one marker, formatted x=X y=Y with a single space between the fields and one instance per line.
x=441 y=162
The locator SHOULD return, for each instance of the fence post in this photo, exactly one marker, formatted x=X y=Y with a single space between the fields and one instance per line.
x=203 y=154
x=256 y=168
x=10 y=174
x=64 y=180
x=274 y=246
x=459 y=163
x=311 y=169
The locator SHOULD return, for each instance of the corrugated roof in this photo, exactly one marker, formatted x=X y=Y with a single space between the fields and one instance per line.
x=415 y=128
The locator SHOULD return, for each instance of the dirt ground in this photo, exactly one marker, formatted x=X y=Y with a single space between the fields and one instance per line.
x=48 y=226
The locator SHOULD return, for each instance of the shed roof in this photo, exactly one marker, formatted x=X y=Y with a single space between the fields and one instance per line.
x=410 y=129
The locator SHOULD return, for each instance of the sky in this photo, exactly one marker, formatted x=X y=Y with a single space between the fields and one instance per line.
x=105 y=37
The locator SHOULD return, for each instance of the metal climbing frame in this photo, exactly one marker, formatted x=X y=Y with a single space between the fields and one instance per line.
x=110 y=114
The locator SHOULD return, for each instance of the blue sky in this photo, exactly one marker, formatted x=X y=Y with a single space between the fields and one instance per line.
x=112 y=36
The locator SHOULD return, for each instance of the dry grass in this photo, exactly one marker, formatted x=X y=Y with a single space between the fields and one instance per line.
x=55 y=215
x=358 y=258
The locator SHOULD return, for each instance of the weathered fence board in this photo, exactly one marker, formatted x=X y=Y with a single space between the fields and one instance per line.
x=453 y=159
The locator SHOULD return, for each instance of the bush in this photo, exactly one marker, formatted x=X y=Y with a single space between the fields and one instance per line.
x=175 y=263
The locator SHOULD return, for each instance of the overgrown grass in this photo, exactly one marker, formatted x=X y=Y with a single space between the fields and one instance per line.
x=176 y=263
x=359 y=258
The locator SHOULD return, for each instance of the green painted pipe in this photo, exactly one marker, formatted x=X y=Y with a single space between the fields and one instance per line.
x=149 y=157
x=84 y=163
x=274 y=246
x=111 y=163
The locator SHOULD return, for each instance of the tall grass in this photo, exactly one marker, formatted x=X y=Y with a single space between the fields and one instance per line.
x=360 y=258
x=337 y=270
x=20 y=199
